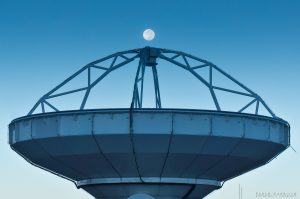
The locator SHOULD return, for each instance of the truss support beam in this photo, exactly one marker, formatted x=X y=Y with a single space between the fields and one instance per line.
x=148 y=57
x=137 y=98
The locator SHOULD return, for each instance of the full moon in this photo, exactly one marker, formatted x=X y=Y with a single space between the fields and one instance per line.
x=149 y=34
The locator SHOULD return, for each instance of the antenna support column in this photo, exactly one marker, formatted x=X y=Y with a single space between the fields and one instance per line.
x=148 y=56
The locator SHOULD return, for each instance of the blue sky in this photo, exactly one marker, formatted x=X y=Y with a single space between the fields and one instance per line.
x=43 y=42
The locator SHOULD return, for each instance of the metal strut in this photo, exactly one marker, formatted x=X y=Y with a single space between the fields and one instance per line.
x=137 y=97
x=156 y=87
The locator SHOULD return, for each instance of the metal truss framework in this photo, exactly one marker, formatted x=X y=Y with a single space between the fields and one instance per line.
x=148 y=58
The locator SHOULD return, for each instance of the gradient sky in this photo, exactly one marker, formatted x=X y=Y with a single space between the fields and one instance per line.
x=43 y=42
